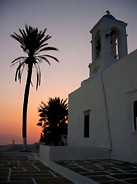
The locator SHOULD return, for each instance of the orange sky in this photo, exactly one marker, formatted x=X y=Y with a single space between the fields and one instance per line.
x=12 y=117
x=69 y=23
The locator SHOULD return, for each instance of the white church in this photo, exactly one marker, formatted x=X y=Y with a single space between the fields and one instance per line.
x=103 y=111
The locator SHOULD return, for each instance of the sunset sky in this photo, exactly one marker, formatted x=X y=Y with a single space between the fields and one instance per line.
x=69 y=23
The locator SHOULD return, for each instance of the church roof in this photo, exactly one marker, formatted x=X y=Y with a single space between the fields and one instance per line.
x=109 y=16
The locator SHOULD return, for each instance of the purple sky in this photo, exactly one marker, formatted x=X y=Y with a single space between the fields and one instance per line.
x=69 y=23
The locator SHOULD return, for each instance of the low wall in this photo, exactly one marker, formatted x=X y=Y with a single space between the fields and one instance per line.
x=11 y=147
x=55 y=153
x=6 y=148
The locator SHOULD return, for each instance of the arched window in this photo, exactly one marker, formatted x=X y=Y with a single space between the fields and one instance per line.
x=97 y=45
x=114 y=41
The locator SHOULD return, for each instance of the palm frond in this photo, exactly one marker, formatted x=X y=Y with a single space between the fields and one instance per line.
x=42 y=40
x=23 y=33
x=18 y=59
x=38 y=59
x=42 y=45
x=48 y=48
x=44 y=58
x=41 y=34
x=39 y=123
x=38 y=75
x=18 y=38
x=51 y=57
x=19 y=72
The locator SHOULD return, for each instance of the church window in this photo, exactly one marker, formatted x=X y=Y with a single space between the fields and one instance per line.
x=98 y=45
x=135 y=115
x=86 y=125
x=117 y=55
x=98 y=48
x=114 y=44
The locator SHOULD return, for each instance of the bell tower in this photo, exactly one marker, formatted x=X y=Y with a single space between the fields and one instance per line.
x=109 y=43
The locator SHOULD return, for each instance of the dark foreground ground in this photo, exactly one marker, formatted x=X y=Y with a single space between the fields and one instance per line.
x=105 y=171
x=21 y=170
x=24 y=170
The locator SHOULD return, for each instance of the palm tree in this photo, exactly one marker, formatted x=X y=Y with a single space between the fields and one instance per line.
x=33 y=42
x=54 y=114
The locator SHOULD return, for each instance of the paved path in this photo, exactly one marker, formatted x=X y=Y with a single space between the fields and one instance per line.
x=104 y=171
x=28 y=170
x=21 y=170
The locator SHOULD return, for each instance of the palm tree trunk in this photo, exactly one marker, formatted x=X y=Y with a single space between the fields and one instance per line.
x=25 y=105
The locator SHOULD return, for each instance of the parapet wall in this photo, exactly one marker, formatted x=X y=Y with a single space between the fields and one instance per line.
x=55 y=153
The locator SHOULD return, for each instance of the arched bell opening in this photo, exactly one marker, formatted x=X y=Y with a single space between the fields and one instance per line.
x=97 y=45
x=114 y=42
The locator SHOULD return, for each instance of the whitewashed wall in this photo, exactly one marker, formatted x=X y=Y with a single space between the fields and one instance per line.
x=109 y=97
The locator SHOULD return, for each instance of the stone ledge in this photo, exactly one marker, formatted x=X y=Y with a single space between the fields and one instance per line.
x=72 y=153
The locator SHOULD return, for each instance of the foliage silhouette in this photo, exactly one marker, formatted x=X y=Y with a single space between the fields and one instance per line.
x=33 y=42
x=53 y=119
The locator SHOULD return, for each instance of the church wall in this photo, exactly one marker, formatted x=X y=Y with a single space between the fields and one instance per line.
x=120 y=91
x=88 y=98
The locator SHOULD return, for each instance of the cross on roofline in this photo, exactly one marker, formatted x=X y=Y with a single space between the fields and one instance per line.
x=108 y=12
